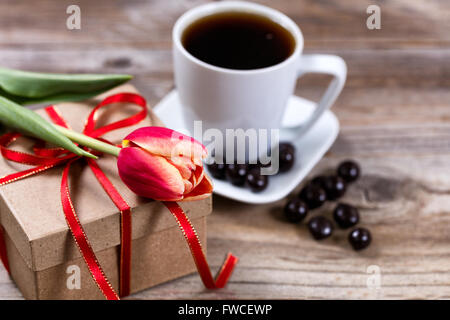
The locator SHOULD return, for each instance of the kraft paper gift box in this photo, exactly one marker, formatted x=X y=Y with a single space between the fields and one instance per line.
x=43 y=258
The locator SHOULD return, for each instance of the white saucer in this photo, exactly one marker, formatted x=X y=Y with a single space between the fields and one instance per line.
x=309 y=149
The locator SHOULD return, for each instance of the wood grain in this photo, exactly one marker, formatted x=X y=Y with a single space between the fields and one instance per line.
x=395 y=120
x=325 y=23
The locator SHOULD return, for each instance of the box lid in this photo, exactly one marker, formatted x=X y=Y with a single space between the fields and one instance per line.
x=31 y=210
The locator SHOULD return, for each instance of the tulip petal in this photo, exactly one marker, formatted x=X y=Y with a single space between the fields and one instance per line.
x=184 y=165
x=197 y=176
x=149 y=175
x=188 y=186
x=167 y=143
x=201 y=191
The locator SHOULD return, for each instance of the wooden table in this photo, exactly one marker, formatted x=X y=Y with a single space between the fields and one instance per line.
x=395 y=118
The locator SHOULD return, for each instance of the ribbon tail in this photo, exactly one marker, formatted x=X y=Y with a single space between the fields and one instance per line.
x=197 y=251
x=224 y=274
x=82 y=241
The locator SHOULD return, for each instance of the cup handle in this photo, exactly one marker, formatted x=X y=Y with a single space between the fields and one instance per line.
x=328 y=64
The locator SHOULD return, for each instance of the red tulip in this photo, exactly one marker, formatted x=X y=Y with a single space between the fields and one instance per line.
x=163 y=164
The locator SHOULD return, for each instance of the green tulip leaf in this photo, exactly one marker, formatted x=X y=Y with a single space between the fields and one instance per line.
x=30 y=123
x=25 y=87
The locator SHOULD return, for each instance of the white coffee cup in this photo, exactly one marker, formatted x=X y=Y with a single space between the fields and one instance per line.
x=229 y=99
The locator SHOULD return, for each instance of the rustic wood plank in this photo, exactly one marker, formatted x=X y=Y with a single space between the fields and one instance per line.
x=8 y=290
x=325 y=23
x=418 y=68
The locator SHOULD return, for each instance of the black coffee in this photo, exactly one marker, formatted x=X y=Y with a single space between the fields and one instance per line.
x=238 y=40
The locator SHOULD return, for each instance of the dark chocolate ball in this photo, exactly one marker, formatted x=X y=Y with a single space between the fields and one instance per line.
x=335 y=187
x=286 y=156
x=256 y=180
x=319 y=181
x=217 y=170
x=295 y=210
x=237 y=173
x=349 y=171
x=313 y=195
x=345 y=215
x=360 y=238
x=320 y=227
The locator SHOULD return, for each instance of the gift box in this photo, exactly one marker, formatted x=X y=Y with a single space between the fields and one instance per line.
x=43 y=258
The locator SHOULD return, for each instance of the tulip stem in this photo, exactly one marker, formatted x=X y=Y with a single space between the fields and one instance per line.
x=89 y=142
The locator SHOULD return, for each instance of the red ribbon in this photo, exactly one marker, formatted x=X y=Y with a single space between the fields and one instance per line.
x=197 y=252
x=44 y=159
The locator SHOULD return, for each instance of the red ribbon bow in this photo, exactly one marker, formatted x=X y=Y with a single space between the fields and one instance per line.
x=45 y=158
